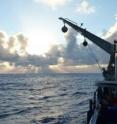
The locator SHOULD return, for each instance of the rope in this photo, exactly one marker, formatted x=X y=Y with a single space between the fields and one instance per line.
x=94 y=56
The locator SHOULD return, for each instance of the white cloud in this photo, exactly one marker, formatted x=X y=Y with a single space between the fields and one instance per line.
x=85 y=8
x=52 y=3
x=76 y=69
x=15 y=58
x=111 y=34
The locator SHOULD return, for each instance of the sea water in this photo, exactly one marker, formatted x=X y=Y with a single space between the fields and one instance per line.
x=45 y=98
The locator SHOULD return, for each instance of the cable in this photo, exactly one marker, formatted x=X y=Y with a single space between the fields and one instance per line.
x=94 y=56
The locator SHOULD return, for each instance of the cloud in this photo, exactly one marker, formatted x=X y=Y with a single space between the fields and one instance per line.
x=76 y=54
x=22 y=42
x=111 y=34
x=6 y=67
x=72 y=54
x=13 y=47
x=52 y=3
x=75 y=69
x=72 y=50
x=85 y=8
x=13 y=51
x=69 y=58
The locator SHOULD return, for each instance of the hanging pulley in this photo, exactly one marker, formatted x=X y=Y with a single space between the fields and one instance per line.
x=64 y=29
x=85 y=43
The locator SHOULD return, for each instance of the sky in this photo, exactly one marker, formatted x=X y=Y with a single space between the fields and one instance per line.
x=31 y=40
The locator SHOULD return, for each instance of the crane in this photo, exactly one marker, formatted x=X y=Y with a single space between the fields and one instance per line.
x=103 y=44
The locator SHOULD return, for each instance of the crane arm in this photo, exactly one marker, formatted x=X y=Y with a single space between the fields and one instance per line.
x=105 y=45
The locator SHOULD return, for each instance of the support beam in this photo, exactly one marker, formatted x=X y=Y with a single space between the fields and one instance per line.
x=103 y=44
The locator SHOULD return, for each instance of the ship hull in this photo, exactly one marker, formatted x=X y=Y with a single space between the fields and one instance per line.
x=103 y=106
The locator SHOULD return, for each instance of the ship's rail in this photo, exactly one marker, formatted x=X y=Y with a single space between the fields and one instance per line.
x=107 y=84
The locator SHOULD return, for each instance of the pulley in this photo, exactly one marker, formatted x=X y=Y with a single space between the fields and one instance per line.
x=64 y=29
x=85 y=43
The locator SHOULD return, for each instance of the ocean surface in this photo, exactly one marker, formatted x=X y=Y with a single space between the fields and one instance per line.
x=45 y=99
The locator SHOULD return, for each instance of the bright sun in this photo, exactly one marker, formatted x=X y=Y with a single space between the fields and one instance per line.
x=40 y=41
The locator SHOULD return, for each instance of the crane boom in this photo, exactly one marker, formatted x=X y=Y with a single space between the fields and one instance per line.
x=105 y=45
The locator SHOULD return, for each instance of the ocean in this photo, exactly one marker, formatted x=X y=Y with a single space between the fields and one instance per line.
x=45 y=98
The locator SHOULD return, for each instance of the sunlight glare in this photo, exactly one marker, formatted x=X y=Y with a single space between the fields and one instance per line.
x=40 y=42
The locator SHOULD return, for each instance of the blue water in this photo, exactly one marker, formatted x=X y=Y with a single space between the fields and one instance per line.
x=45 y=99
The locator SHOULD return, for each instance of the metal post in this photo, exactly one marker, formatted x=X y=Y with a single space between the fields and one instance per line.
x=115 y=50
x=116 y=67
